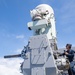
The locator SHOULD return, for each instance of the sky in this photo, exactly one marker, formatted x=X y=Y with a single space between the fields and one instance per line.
x=14 y=34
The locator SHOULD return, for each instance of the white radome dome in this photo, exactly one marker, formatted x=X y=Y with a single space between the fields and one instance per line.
x=45 y=7
x=42 y=11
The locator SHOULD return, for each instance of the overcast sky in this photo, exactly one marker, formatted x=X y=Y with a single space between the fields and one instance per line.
x=14 y=34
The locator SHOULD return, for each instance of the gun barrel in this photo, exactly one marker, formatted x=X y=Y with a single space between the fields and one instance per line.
x=12 y=56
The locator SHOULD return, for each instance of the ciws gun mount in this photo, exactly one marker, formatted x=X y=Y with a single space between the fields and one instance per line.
x=41 y=55
x=22 y=55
